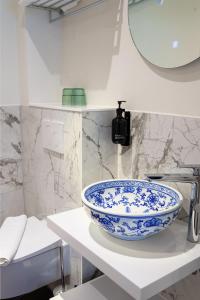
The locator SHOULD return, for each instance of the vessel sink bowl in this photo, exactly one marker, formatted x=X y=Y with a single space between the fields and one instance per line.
x=132 y=209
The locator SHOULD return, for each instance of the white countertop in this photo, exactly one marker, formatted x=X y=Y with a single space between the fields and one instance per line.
x=57 y=106
x=141 y=268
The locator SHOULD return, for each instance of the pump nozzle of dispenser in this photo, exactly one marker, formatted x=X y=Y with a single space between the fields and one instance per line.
x=120 y=110
x=120 y=103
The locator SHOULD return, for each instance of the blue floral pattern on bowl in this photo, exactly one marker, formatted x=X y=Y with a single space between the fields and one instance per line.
x=132 y=209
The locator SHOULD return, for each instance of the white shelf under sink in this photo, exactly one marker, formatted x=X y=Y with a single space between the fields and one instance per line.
x=101 y=288
x=141 y=268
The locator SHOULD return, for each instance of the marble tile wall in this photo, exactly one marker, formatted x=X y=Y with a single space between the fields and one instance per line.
x=54 y=175
x=11 y=179
x=99 y=153
x=62 y=152
x=65 y=151
x=160 y=143
x=52 y=180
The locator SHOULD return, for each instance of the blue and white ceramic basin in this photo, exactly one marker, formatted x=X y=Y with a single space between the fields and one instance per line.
x=132 y=209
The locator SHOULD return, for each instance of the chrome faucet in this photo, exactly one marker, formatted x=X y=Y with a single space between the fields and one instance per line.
x=194 y=179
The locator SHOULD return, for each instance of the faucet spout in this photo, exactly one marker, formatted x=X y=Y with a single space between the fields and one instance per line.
x=187 y=178
x=194 y=213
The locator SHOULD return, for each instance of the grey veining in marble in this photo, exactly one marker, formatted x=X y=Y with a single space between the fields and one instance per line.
x=10 y=174
x=10 y=132
x=161 y=143
x=11 y=178
x=53 y=180
x=49 y=182
x=99 y=153
x=73 y=158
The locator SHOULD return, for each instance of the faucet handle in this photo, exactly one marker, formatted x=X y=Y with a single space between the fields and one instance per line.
x=196 y=168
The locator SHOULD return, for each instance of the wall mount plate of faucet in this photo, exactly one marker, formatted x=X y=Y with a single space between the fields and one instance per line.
x=58 y=9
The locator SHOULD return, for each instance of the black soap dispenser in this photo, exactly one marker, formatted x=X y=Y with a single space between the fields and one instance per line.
x=121 y=127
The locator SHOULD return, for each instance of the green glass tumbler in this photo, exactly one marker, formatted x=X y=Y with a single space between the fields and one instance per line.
x=66 y=100
x=79 y=100
x=78 y=92
x=68 y=91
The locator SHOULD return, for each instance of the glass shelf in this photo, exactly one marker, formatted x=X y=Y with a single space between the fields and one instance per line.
x=58 y=9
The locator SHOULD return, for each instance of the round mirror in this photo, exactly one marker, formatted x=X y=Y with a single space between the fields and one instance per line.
x=166 y=32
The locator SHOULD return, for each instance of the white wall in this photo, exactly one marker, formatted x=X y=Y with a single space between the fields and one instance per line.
x=9 y=63
x=100 y=56
x=30 y=55
x=43 y=45
x=94 y=50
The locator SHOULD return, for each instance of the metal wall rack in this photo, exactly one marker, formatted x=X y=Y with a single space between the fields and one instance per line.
x=55 y=8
